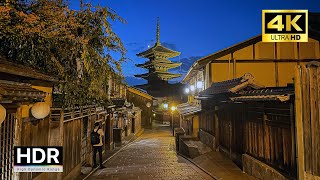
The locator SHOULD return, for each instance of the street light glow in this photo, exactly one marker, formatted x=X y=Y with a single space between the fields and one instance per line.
x=187 y=90
x=199 y=84
x=165 y=105
x=173 y=108
x=192 y=88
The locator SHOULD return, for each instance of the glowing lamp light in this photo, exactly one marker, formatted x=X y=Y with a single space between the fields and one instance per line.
x=192 y=88
x=173 y=108
x=199 y=84
x=186 y=90
x=3 y=113
x=165 y=105
x=154 y=115
x=40 y=110
x=148 y=104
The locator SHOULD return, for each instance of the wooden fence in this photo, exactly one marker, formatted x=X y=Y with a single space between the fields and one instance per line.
x=263 y=130
x=307 y=92
x=77 y=124
x=269 y=135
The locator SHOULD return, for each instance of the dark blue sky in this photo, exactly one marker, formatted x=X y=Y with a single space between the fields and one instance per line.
x=193 y=27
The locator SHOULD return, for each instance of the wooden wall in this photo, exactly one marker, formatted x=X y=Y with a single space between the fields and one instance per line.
x=263 y=130
x=35 y=133
x=71 y=145
x=140 y=101
x=308 y=120
x=272 y=64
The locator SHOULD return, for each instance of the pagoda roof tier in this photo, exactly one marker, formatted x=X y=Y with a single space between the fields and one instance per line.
x=159 y=63
x=161 y=75
x=143 y=86
x=159 y=49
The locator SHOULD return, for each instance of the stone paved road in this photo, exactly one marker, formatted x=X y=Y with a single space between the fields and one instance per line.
x=152 y=156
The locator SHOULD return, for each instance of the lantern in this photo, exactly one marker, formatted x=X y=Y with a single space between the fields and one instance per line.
x=40 y=110
x=3 y=113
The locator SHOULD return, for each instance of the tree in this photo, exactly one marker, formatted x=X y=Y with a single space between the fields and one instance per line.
x=75 y=45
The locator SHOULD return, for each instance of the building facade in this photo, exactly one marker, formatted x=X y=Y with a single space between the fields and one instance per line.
x=247 y=102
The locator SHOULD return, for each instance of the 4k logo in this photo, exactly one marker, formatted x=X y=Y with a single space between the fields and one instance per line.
x=285 y=25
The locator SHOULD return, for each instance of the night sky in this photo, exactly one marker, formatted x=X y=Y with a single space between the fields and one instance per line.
x=196 y=28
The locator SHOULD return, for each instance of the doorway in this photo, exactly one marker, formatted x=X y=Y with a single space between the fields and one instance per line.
x=133 y=125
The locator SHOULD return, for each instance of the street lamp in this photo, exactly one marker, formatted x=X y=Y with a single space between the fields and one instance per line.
x=173 y=108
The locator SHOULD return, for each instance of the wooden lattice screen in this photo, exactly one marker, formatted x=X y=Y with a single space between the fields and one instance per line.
x=6 y=146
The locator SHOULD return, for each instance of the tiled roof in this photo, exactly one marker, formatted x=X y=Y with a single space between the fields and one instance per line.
x=22 y=70
x=19 y=92
x=266 y=94
x=160 y=49
x=230 y=86
x=165 y=63
x=164 y=75
x=188 y=109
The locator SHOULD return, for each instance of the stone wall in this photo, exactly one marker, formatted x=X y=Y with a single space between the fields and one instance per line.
x=259 y=169
x=207 y=138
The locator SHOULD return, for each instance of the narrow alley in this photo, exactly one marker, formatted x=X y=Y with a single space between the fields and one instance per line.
x=152 y=156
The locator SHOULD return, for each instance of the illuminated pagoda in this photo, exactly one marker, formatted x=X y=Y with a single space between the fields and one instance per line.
x=158 y=66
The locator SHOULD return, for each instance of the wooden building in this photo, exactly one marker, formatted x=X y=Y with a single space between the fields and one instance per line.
x=252 y=121
x=20 y=88
x=141 y=99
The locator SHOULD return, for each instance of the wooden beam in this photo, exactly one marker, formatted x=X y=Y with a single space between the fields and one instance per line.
x=299 y=123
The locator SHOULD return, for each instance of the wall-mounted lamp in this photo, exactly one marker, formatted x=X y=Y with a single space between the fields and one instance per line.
x=40 y=110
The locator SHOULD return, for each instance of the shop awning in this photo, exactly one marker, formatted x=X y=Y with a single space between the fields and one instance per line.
x=186 y=109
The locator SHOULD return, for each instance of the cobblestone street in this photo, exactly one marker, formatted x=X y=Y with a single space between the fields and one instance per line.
x=152 y=156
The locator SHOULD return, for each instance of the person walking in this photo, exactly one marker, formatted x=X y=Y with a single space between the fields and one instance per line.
x=97 y=143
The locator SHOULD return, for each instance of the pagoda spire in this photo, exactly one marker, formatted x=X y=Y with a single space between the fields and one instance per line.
x=158 y=32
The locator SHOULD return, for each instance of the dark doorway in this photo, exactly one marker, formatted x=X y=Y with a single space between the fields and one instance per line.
x=133 y=125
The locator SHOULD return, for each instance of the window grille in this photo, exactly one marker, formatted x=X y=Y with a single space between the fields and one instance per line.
x=6 y=147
